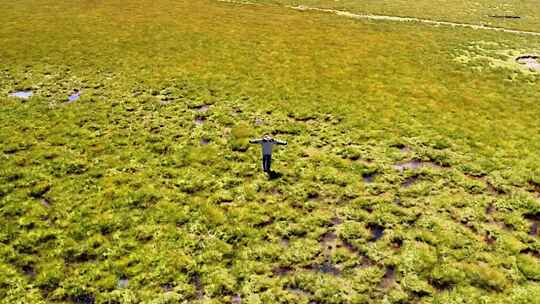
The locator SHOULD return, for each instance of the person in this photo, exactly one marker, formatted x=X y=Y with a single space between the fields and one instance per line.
x=267 y=142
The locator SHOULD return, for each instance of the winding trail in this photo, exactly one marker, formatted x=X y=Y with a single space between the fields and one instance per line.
x=411 y=19
x=399 y=19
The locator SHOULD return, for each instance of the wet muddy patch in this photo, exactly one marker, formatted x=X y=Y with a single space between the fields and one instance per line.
x=369 y=177
x=202 y=109
x=336 y=221
x=415 y=164
x=490 y=239
x=45 y=203
x=264 y=223
x=532 y=62
x=389 y=278
x=535 y=186
x=196 y=280
x=490 y=209
x=409 y=181
x=396 y=244
x=167 y=287
x=21 y=94
x=84 y=299
x=327 y=268
x=531 y=252
x=199 y=120
x=377 y=231
x=282 y=270
x=204 y=141
x=534 y=221
x=492 y=189
x=236 y=300
x=29 y=271
x=504 y=16
x=327 y=239
x=409 y=165
x=123 y=282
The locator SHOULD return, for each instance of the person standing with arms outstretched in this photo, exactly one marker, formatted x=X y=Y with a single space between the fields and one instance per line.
x=267 y=142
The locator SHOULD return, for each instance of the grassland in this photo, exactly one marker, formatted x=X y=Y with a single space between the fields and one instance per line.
x=411 y=176
x=515 y=14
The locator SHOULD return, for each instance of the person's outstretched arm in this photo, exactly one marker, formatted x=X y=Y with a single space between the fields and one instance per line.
x=281 y=142
x=255 y=141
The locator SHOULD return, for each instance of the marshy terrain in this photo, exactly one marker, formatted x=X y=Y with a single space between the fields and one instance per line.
x=411 y=174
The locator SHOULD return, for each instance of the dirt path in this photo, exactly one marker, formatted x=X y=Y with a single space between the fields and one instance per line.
x=410 y=19
x=400 y=19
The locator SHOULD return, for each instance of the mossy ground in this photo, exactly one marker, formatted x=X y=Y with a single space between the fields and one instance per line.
x=410 y=176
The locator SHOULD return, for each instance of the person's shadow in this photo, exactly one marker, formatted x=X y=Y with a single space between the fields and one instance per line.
x=274 y=175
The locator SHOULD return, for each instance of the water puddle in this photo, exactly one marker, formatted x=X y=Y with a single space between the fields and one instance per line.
x=529 y=61
x=369 y=178
x=377 y=231
x=29 y=271
x=236 y=300
x=22 y=94
x=84 y=299
x=199 y=120
x=389 y=277
x=73 y=97
x=123 y=282
x=505 y=16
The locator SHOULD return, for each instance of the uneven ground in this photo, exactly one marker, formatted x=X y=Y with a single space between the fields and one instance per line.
x=411 y=176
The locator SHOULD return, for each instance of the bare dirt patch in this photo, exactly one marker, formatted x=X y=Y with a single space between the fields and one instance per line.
x=389 y=278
